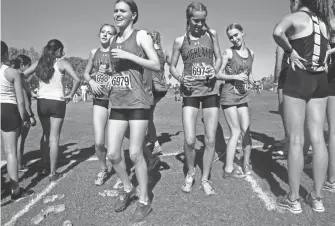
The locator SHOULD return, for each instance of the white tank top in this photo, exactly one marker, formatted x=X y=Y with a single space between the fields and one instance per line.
x=54 y=90
x=7 y=91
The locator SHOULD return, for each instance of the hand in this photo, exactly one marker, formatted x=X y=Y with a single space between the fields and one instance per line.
x=187 y=80
x=210 y=72
x=26 y=124
x=32 y=121
x=296 y=61
x=68 y=98
x=102 y=69
x=96 y=88
x=120 y=54
x=241 y=77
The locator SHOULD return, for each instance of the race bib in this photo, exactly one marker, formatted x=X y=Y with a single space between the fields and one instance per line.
x=198 y=72
x=121 y=81
x=101 y=79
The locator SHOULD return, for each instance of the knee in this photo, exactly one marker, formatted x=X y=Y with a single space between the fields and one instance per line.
x=136 y=157
x=235 y=132
x=114 y=158
x=190 y=141
x=296 y=140
x=317 y=139
x=54 y=139
x=210 y=141
x=245 y=131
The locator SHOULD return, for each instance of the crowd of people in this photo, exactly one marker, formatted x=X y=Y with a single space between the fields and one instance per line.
x=127 y=78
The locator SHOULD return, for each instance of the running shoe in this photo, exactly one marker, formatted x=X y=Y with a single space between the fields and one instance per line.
x=157 y=150
x=236 y=174
x=118 y=184
x=207 y=187
x=188 y=183
x=101 y=177
x=19 y=193
x=124 y=199
x=315 y=203
x=284 y=202
x=23 y=168
x=55 y=177
x=141 y=212
x=247 y=169
x=328 y=186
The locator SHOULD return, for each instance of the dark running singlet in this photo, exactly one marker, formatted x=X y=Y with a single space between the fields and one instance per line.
x=131 y=87
x=236 y=92
x=331 y=70
x=100 y=58
x=312 y=82
x=196 y=56
x=313 y=47
x=158 y=78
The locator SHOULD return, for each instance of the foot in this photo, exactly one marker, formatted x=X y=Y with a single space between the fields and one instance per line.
x=236 y=174
x=101 y=177
x=207 y=187
x=285 y=202
x=157 y=150
x=247 y=169
x=124 y=199
x=118 y=184
x=315 y=203
x=141 y=212
x=328 y=186
x=19 y=193
x=55 y=177
x=188 y=183
x=23 y=168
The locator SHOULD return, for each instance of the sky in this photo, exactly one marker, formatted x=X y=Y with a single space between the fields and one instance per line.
x=76 y=23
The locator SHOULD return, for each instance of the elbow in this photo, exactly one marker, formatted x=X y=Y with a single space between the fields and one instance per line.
x=278 y=32
x=156 y=67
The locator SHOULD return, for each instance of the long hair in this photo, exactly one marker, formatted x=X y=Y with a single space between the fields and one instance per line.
x=133 y=7
x=156 y=37
x=193 y=7
x=109 y=25
x=4 y=50
x=320 y=8
x=45 y=67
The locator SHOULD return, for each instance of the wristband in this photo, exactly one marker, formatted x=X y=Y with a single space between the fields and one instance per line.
x=288 y=52
x=32 y=115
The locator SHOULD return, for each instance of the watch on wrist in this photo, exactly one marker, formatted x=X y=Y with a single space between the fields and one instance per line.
x=288 y=52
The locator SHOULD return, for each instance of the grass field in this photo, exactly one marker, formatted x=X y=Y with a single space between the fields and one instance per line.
x=250 y=201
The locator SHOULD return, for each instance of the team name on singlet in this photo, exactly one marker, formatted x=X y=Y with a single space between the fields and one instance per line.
x=198 y=52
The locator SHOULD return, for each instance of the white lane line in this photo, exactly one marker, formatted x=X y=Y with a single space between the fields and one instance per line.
x=270 y=204
x=35 y=200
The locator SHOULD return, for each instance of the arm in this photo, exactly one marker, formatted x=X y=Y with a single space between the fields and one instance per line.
x=279 y=33
x=217 y=53
x=145 y=41
x=167 y=58
x=76 y=81
x=329 y=53
x=279 y=59
x=226 y=56
x=30 y=70
x=251 y=77
x=175 y=57
x=25 y=91
x=18 y=92
x=89 y=67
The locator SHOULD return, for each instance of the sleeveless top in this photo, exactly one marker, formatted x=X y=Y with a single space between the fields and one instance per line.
x=236 y=92
x=158 y=78
x=101 y=58
x=197 y=56
x=54 y=90
x=131 y=87
x=313 y=47
x=7 y=91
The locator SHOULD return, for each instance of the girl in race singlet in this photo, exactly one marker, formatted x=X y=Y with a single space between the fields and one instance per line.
x=304 y=37
x=131 y=98
x=12 y=114
x=236 y=71
x=159 y=85
x=95 y=74
x=198 y=47
x=21 y=63
x=51 y=100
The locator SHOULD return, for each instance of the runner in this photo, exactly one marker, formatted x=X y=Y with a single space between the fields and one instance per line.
x=236 y=71
x=51 y=101
x=160 y=87
x=330 y=183
x=131 y=98
x=12 y=114
x=22 y=62
x=95 y=74
x=198 y=47
x=83 y=89
x=304 y=36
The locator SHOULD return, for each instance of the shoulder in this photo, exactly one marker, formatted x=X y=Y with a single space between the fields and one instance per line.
x=11 y=72
x=213 y=32
x=227 y=53
x=93 y=51
x=179 y=41
x=252 y=53
x=143 y=34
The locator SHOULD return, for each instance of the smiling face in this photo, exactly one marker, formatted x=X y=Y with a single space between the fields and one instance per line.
x=106 y=33
x=123 y=16
x=235 y=36
x=197 y=22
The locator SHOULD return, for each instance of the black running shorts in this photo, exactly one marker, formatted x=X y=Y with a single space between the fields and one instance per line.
x=47 y=108
x=206 y=101
x=129 y=114
x=10 y=117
